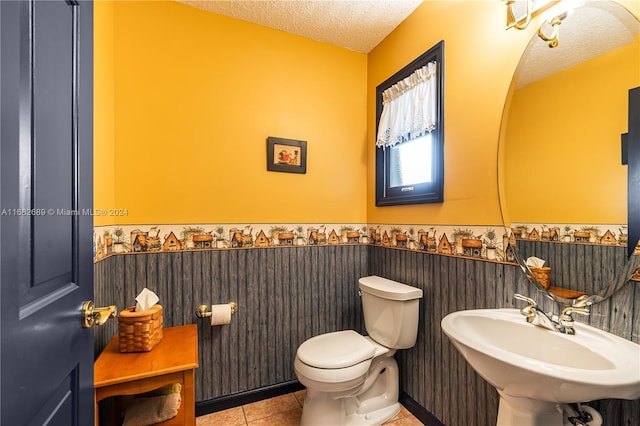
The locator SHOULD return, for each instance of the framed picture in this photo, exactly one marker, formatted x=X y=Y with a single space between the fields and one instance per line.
x=286 y=155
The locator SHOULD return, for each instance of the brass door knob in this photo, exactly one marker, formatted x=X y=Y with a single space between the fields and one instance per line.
x=92 y=315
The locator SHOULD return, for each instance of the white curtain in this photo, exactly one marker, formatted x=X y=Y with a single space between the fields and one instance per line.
x=408 y=108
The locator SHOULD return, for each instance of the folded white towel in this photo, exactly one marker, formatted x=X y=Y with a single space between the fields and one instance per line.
x=149 y=411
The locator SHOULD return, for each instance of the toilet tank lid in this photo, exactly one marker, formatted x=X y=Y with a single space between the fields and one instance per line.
x=388 y=289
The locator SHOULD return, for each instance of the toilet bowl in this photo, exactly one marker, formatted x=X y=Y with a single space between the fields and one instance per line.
x=353 y=379
x=334 y=362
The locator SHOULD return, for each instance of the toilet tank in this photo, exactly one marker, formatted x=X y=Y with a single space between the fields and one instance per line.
x=390 y=311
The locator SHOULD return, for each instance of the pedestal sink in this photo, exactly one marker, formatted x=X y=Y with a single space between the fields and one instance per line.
x=535 y=370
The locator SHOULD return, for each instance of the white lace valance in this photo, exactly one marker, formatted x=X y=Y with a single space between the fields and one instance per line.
x=408 y=108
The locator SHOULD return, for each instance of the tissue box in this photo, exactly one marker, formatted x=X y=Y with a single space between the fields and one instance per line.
x=543 y=275
x=139 y=331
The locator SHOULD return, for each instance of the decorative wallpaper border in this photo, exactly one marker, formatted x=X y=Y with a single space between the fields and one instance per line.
x=609 y=235
x=485 y=242
x=480 y=242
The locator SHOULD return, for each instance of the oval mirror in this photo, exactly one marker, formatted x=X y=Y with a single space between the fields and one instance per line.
x=563 y=187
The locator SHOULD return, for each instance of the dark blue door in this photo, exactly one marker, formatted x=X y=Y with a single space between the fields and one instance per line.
x=45 y=225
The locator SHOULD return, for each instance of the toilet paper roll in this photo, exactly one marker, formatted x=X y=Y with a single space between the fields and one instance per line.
x=220 y=314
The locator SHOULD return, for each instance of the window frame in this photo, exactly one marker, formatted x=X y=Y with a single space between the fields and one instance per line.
x=432 y=192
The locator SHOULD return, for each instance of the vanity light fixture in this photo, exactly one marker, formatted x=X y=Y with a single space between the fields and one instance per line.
x=552 y=40
x=533 y=8
x=519 y=19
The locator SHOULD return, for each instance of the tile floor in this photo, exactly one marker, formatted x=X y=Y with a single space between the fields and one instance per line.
x=284 y=410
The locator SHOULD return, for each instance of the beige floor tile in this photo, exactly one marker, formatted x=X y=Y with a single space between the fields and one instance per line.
x=405 y=421
x=286 y=418
x=284 y=410
x=231 y=417
x=267 y=407
x=300 y=396
x=403 y=413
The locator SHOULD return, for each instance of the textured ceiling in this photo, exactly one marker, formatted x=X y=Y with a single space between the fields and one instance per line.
x=591 y=30
x=353 y=24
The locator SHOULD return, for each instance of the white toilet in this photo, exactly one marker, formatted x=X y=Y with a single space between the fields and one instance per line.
x=353 y=379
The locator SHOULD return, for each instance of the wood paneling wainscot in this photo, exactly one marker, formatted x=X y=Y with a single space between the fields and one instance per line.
x=286 y=295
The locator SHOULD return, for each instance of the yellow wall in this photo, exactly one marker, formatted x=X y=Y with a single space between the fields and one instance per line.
x=480 y=60
x=189 y=124
x=103 y=110
x=195 y=97
x=563 y=143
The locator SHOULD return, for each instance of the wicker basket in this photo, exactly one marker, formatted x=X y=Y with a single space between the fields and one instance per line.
x=140 y=331
x=543 y=275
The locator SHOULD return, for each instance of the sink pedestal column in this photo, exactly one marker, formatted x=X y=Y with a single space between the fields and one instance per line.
x=528 y=412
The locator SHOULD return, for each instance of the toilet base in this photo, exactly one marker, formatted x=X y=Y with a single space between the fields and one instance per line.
x=321 y=409
x=375 y=402
x=375 y=417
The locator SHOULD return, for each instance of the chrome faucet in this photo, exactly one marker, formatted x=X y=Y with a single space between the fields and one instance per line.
x=565 y=322
x=562 y=324
x=534 y=315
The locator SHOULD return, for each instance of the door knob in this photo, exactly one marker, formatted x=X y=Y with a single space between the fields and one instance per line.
x=92 y=315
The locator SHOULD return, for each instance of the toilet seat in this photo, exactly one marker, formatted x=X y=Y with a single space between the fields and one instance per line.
x=334 y=378
x=340 y=358
x=335 y=350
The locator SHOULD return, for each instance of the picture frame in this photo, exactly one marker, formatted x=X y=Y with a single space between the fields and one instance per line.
x=286 y=155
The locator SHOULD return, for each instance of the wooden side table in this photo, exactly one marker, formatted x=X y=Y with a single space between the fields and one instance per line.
x=173 y=360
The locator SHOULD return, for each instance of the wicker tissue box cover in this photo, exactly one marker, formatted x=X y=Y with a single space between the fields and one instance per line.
x=140 y=331
x=543 y=275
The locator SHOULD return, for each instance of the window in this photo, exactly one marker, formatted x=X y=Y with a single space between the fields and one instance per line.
x=410 y=165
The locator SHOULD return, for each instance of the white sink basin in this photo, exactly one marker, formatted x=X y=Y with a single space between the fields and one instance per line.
x=525 y=361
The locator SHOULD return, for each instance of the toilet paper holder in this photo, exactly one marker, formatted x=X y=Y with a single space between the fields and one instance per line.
x=204 y=311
